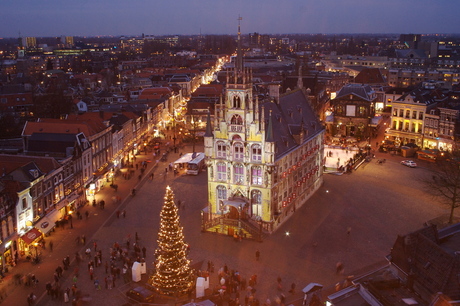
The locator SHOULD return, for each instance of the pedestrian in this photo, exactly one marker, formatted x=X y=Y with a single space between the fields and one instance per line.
x=66 y=297
x=118 y=214
x=339 y=268
x=51 y=246
x=144 y=250
x=257 y=255
x=95 y=246
x=86 y=214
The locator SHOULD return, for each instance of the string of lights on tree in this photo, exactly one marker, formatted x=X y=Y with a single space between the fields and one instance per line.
x=173 y=274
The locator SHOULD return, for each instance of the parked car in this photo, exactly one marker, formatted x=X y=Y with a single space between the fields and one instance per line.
x=409 y=163
x=141 y=294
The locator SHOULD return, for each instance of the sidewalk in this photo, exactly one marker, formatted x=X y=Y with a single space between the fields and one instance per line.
x=64 y=239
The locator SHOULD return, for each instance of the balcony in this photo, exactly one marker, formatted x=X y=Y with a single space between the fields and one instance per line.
x=236 y=128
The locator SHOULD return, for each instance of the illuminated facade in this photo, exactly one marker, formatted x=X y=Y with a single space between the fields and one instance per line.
x=264 y=159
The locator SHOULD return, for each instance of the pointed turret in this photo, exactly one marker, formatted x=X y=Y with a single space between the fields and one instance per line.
x=208 y=132
x=299 y=79
x=262 y=119
x=239 y=51
x=269 y=134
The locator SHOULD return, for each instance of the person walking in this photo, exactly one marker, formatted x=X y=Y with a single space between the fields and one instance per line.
x=51 y=246
x=257 y=255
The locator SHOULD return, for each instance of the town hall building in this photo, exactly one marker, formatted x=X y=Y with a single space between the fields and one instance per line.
x=264 y=158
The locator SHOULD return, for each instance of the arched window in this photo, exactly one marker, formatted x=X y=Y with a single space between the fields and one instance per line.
x=221 y=150
x=221 y=193
x=256 y=201
x=238 y=174
x=221 y=172
x=236 y=102
x=238 y=151
x=237 y=120
x=257 y=153
x=256 y=175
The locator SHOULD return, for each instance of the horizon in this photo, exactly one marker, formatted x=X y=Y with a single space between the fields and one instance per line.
x=85 y=18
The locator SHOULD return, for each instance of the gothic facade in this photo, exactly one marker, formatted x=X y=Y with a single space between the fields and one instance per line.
x=264 y=158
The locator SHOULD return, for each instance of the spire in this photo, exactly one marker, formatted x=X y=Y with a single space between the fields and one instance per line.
x=208 y=132
x=239 y=51
x=262 y=119
x=269 y=134
x=222 y=117
x=216 y=117
x=256 y=109
x=299 y=80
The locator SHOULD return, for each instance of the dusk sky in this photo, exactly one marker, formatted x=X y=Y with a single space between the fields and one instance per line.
x=161 y=17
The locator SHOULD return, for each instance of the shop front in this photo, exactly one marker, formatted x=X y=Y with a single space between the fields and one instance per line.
x=28 y=243
x=8 y=253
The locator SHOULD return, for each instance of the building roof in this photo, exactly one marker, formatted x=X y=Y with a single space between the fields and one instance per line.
x=154 y=93
x=9 y=163
x=365 y=92
x=431 y=258
x=292 y=111
x=370 y=76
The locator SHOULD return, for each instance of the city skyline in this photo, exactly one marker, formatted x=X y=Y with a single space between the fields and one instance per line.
x=103 y=17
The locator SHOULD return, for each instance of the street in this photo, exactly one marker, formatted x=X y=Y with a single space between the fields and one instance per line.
x=353 y=218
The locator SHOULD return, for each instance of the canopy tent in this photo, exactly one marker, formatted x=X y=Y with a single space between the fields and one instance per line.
x=187 y=157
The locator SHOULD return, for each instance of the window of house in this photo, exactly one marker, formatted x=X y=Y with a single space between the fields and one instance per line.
x=221 y=150
x=24 y=203
x=256 y=175
x=238 y=173
x=395 y=113
x=420 y=115
x=414 y=115
x=362 y=110
x=401 y=113
x=256 y=199
x=221 y=193
x=238 y=151
x=407 y=113
x=221 y=172
x=256 y=153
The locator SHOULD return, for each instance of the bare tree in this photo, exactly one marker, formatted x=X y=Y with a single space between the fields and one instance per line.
x=445 y=181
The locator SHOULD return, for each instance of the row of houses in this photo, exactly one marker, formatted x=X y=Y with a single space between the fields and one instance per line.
x=65 y=162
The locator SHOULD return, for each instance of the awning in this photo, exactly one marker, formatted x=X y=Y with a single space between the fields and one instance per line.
x=46 y=224
x=187 y=157
x=312 y=287
x=72 y=197
x=31 y=235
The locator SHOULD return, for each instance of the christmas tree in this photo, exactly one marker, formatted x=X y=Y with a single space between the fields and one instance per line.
x=173 y=274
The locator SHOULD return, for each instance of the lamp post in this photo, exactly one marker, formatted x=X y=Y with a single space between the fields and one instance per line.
x=193 y=134
x=221 y=206
x=174 y=129
x=239 y=219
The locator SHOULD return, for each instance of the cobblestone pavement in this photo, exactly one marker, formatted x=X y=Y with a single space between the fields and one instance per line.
x=375 y=203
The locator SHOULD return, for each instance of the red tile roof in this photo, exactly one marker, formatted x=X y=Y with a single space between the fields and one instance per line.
x=9 y=163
